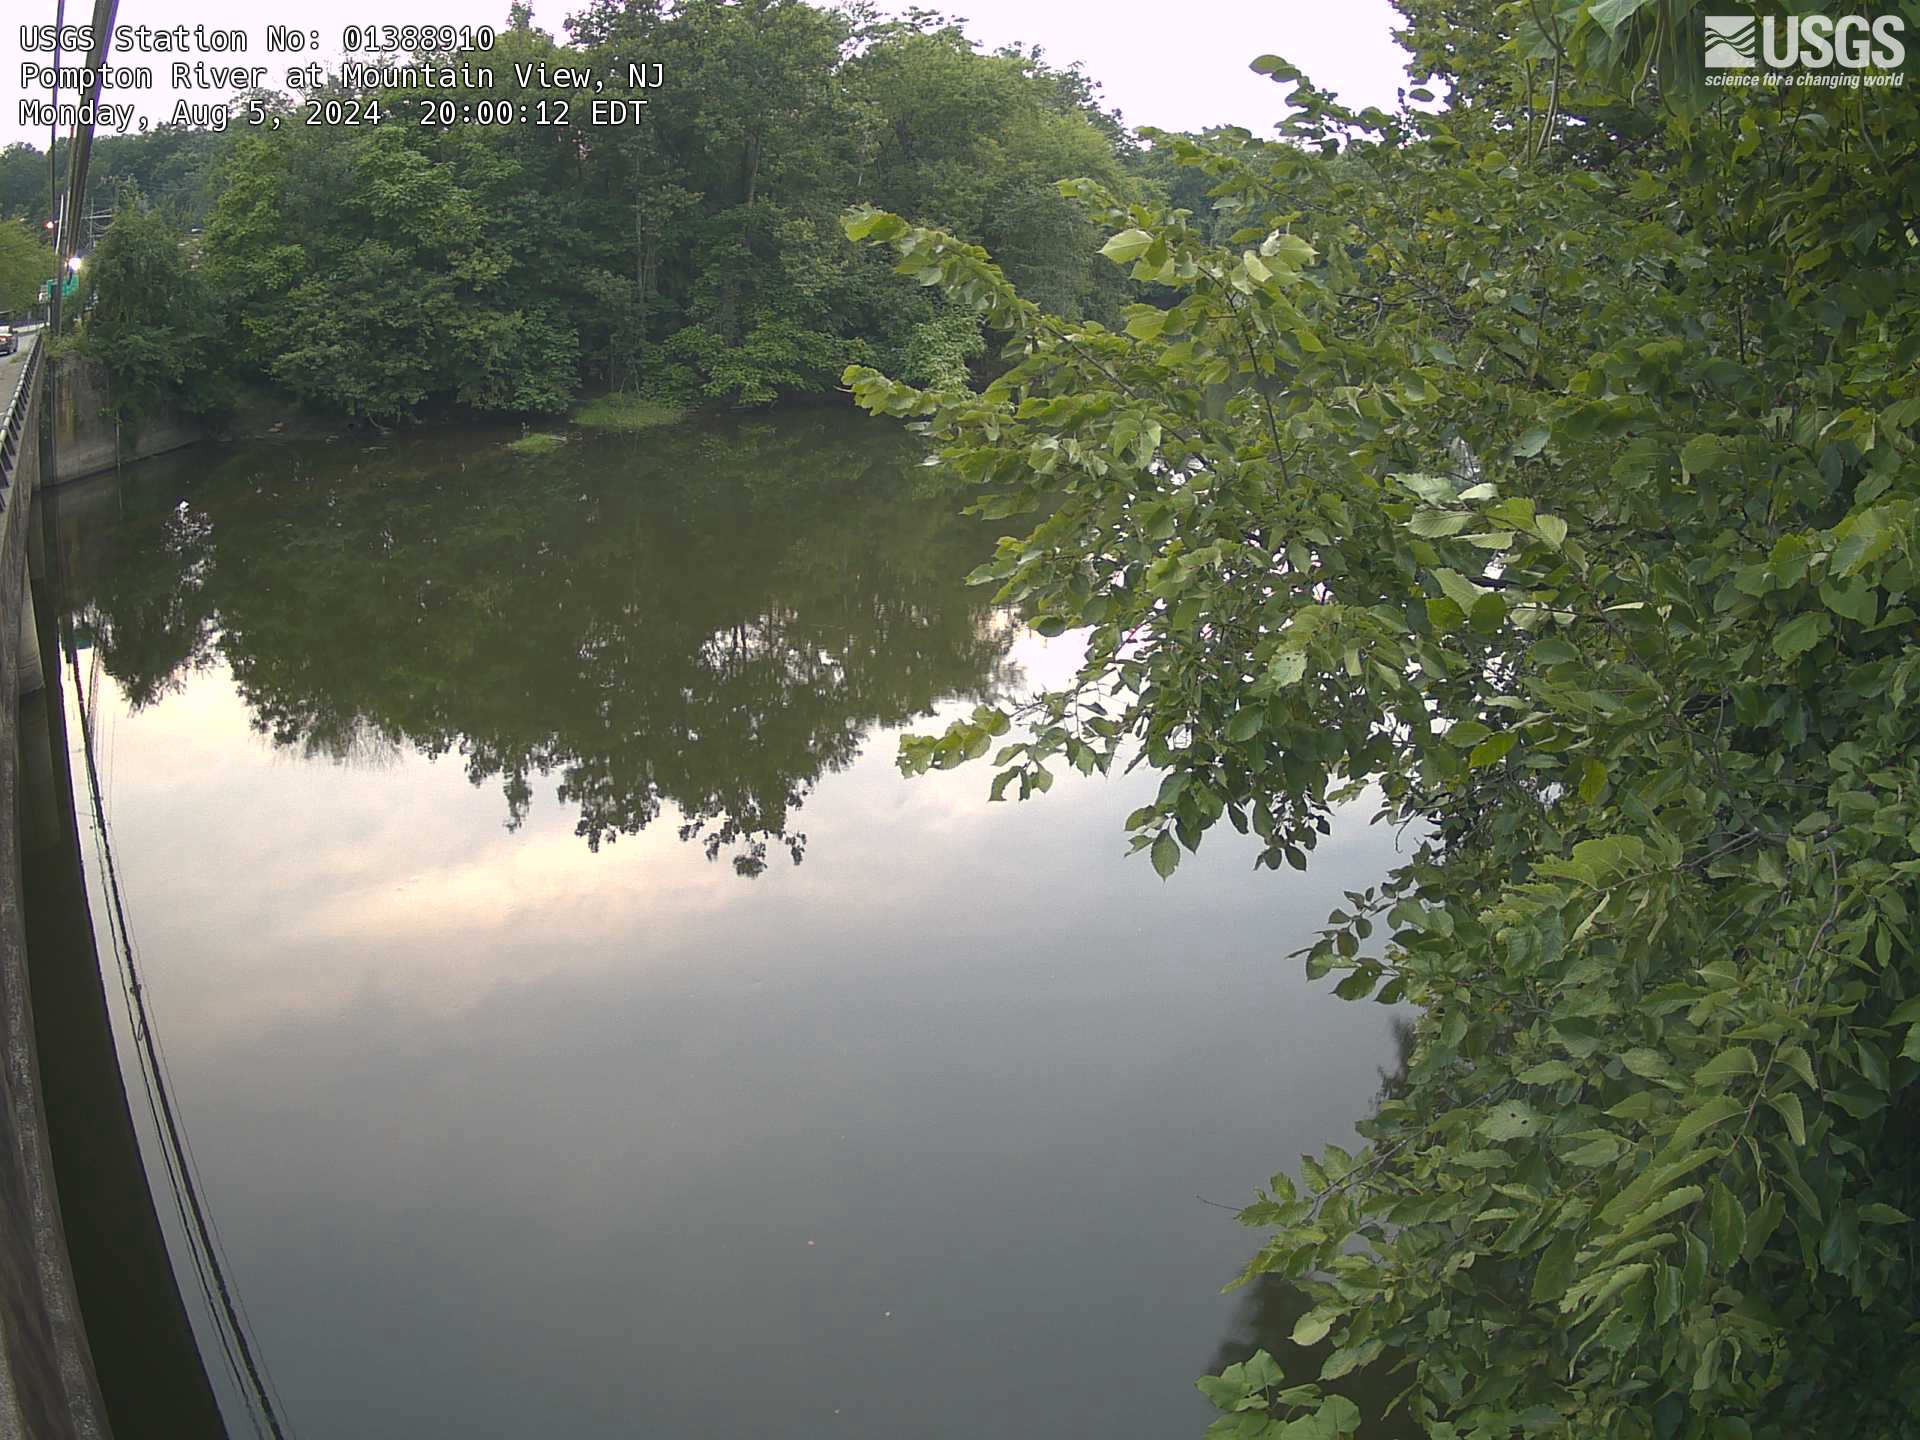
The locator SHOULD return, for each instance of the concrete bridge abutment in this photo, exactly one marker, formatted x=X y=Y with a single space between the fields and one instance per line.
x=48 y=1388
x=32 y=677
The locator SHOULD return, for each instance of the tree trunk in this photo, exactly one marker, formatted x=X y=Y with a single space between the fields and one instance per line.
x=750 y=168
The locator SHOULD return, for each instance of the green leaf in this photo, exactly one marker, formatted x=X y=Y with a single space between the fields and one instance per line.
x=1703 y=1372
x=1658 y=1209
x=1878 y=1214
x=1789 y=1108
x=1165 y=854
x=1601 y=1151
x=1855 y=600
x=1531 y=443
x=1840 y=1246
x=1555 y=1271
x=1349 y=1358
x=1246 y=724
x=1593 y=779
x=1291 y=251
x=859 y=223
x=1221 y=1392
x=1597 y=1290
x=1668 y=1294
x=1795 y=1059
x=1456 y=588
x=1358 y=985
x=1728 y=1221
x=1703 y=1118
x=1127 y=246
x=1436 y=524
x=1859 y=540
x=1727 y=1065
x=1800 y=634
x=1288 y=666
x=1434 y=489
x=1489 y=612
x=1493 y=749
x=1511 y=1120
x=1704 y=454
x=1313 y=1327
x=1548 y=1072
x=1762 y=1223
x=1339 y=1415
x=1552 y=529
x=1263 y=1371
x=1147 y=326
x=1610 y=15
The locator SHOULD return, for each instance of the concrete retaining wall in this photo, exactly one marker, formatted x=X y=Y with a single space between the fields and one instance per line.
x=47 y=1385
x=87 y=440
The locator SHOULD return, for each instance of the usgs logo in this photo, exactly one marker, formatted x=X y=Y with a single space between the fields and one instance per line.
x=1815 y=42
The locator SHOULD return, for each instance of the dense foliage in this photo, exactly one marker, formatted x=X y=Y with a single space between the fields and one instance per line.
x=1545 y=469
x=152 y=323
x=691 y=255
x=26 y=263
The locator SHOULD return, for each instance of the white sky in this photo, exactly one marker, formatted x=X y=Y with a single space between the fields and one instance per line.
x=1178 y=76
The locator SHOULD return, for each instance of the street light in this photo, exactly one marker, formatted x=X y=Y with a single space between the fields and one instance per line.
x=73 y=263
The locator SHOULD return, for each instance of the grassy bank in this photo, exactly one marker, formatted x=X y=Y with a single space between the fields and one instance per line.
x=626 y=412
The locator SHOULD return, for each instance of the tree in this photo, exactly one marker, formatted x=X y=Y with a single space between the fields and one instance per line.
x=693 y=254
x=374 y=271
x=152 y=325
x=25 y=183
x=1548 y=466
x=26 y=263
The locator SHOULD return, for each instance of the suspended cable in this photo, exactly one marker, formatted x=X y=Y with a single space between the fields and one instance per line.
x=128 y=985
x=255 y=1386
x=88 y=696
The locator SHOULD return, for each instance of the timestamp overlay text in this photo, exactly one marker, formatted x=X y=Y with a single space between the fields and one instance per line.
x=211 y=77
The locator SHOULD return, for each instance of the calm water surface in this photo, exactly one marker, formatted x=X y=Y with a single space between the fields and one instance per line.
x=584 y=1030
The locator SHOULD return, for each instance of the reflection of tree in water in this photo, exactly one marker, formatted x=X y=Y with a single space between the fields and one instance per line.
x=710 y=619
x=1271 y=1305
x=360 y=747
x=160 y=631
x=1393 y=1083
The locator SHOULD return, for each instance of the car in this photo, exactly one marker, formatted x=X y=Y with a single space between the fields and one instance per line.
x=9 y=340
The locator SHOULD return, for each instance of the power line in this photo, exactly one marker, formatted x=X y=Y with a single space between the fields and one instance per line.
x=206 y=1252
x=89 y=698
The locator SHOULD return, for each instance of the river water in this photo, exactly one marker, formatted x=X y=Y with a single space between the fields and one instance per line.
x=582 y=1028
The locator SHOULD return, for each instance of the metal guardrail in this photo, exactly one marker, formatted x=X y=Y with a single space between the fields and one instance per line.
x=18 y=404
